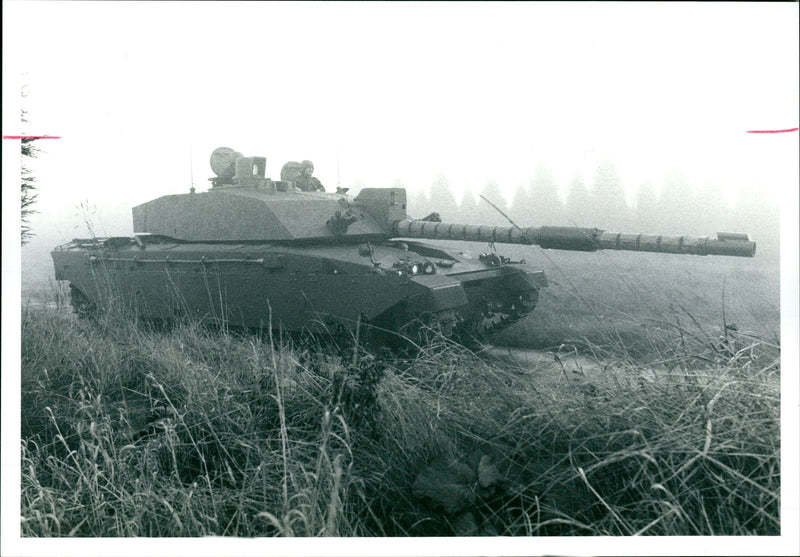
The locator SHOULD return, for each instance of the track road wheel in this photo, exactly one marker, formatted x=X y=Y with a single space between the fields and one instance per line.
x=81 y=304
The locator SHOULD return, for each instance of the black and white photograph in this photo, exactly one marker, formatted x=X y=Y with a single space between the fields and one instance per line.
x=400 y=278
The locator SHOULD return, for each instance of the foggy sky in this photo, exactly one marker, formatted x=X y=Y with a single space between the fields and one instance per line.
x=142 y=93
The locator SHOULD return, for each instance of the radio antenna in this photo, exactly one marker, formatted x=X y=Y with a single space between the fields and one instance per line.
x=191 y=169
x=338 y=183
x=501 y=212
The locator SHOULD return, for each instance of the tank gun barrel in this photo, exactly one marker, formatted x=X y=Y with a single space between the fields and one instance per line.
x=578 y=239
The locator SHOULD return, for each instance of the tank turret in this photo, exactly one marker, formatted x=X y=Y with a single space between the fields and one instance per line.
x=271 y=211
x=257 y=252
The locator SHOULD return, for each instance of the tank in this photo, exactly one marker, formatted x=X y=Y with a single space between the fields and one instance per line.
x=259 y=253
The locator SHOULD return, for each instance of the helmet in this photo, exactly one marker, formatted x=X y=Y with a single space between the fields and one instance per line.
x=307 y=164
x=290 y=171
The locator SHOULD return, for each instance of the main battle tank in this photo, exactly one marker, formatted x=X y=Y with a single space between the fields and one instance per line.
x=257 y=253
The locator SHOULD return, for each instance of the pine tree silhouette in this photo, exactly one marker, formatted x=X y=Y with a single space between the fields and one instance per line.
x=28 y=194
x=521 y=209
x=546 y=204
x=468 y=209
x=417 y=203
x=579 y=206
x=442 y=199
x=609 y=207
x=488 y=214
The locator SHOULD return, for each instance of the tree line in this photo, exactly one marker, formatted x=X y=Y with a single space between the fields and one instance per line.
x=679 y=208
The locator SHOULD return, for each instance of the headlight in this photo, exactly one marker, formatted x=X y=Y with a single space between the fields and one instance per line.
x=411 y=268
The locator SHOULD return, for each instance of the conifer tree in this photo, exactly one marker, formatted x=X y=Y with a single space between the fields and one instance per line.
x=546 y=205
x=468 y=209
x=442 y=200
x=579 y=207
x=521 y=206
x=417 y=205
x=609 y=207
x=28 y=151
x=488 y=214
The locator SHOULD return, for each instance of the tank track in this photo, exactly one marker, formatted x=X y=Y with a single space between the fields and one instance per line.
x=496 y=315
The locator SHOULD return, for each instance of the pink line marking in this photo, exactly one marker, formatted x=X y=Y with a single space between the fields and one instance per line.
x=773 y=131
x=31 y=137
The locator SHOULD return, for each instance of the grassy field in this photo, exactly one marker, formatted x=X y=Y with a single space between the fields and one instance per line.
x=192 y=432
x=617 y=294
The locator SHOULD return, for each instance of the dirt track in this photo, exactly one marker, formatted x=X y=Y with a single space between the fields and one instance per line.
x=541 y=360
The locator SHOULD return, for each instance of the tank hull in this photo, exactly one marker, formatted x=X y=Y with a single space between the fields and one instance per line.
x=314 y=287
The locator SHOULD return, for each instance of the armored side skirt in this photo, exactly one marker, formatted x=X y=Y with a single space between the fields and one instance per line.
x=260 y=286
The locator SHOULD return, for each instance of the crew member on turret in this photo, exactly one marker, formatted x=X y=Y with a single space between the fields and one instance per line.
x=306 y=181
x=290 y=171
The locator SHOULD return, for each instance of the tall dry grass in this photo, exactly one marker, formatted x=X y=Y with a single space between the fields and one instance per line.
x=127 y=431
